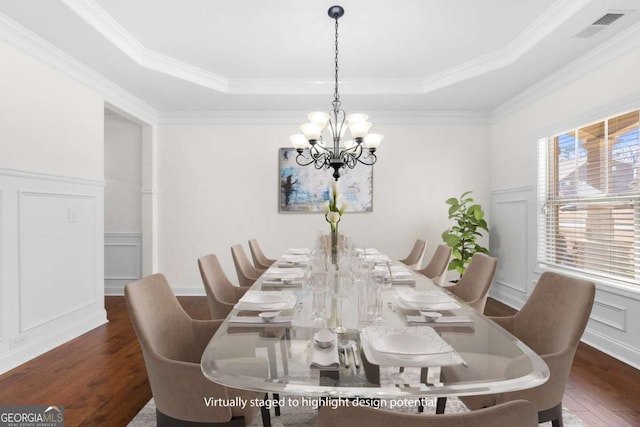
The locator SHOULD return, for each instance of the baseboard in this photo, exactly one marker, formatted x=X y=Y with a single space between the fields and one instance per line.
x=43 y=344
x=616 y=349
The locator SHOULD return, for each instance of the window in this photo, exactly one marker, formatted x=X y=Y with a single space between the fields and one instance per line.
x=589 y=191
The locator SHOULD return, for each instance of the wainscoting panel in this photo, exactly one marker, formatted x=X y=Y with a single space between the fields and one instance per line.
x=614 y=326
x=510 y=240
x=57 y=255
x=51 y=254
x=122 y=260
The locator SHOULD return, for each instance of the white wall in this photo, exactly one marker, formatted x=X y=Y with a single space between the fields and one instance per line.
x=218 y=186
x=610 y=89
x=51 y=209
x=122 y=174
x=48 y=123
x=122 y=202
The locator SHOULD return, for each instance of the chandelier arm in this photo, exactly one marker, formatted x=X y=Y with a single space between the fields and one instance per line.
x=364 y=160
x=301 y=160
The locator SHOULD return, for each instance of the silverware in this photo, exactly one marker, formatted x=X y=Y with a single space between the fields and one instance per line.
x=347 y=362
x=356 y=359
x=391 y=307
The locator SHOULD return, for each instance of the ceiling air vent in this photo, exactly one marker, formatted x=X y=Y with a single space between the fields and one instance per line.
x=599 y=25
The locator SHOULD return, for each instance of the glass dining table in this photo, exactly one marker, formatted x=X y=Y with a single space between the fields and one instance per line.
x=401 y=354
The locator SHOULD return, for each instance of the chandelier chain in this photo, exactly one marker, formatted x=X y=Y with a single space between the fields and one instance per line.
x=336 y=95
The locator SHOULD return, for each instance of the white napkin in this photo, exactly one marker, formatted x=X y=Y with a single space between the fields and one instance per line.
x=298 y=251
x=288 y=260
x=325 y=358
x=283 y=277
x=377 y=257
x=255 y=320
x=368 y=251
x=441 y=321
x=286 y=273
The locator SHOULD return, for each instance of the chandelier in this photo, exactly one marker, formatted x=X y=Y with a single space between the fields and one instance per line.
x=341 y=153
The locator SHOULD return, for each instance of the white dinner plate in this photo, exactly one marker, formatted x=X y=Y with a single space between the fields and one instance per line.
x=424 y=297
x=269 y=300
x=407 y=344
x=437 y=306
x=420 y=346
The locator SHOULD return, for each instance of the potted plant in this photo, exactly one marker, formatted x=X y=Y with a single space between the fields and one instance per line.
x=462 y=237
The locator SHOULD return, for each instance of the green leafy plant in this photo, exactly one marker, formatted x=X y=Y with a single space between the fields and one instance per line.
x=462 y=237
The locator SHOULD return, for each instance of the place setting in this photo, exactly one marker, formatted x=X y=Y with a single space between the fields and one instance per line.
x=409 y=346
x=289 y=260
x=264 y=308
x=431 y=307
x=283 y=277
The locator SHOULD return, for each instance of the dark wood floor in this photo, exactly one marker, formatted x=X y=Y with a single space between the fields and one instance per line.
x=100 y=377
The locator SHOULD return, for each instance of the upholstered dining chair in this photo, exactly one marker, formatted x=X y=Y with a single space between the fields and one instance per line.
x=518 y=413
x=436 y=269
x=473 y=286
x=247 y=273
x=172 y=344
x=259 y=258
x=414 y=259
x=222 y=295
x=551 y=323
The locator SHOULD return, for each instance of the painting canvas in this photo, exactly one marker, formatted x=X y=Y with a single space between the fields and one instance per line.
x=305 y=188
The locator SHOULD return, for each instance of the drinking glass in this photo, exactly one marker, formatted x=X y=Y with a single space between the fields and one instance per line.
x=342 y=289
x=317 y=281
x=382 y=277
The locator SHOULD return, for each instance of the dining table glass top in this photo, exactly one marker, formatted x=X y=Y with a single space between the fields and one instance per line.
x=273 y=341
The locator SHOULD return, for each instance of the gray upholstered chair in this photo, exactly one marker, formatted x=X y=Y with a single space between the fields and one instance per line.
x=473 y=286
x=551 y=323
x=414 y=259
x=172 y=344
x=518 y=413
x=437 y=267
x=247 y=273
x=222 y=295
x=259 y=258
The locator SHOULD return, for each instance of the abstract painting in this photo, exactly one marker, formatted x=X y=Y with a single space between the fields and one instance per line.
x=305 y=188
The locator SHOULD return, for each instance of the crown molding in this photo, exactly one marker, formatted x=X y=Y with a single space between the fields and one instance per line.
x=601 y=55
x=322 y=87
x=107 y=26
x=33 y=45
x=294 y=118
x=549 y=21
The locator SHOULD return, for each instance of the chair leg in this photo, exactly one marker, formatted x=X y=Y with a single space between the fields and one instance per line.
x=276 y=398
x=440 y=404
x=553 y=414
x=266 y=416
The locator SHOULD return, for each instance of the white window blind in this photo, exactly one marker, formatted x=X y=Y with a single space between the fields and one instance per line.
x=589 y=193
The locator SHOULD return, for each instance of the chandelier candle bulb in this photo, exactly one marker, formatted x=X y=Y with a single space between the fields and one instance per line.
x=372 y=141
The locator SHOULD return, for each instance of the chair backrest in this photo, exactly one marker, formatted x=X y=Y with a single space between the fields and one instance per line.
x=220 y=291
x=516 y=413
x=247 y=273
x=474 y=284
x=556 y=313
x=414 y=259
x=437 y=267
x=161 y=324
x=259 y=258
